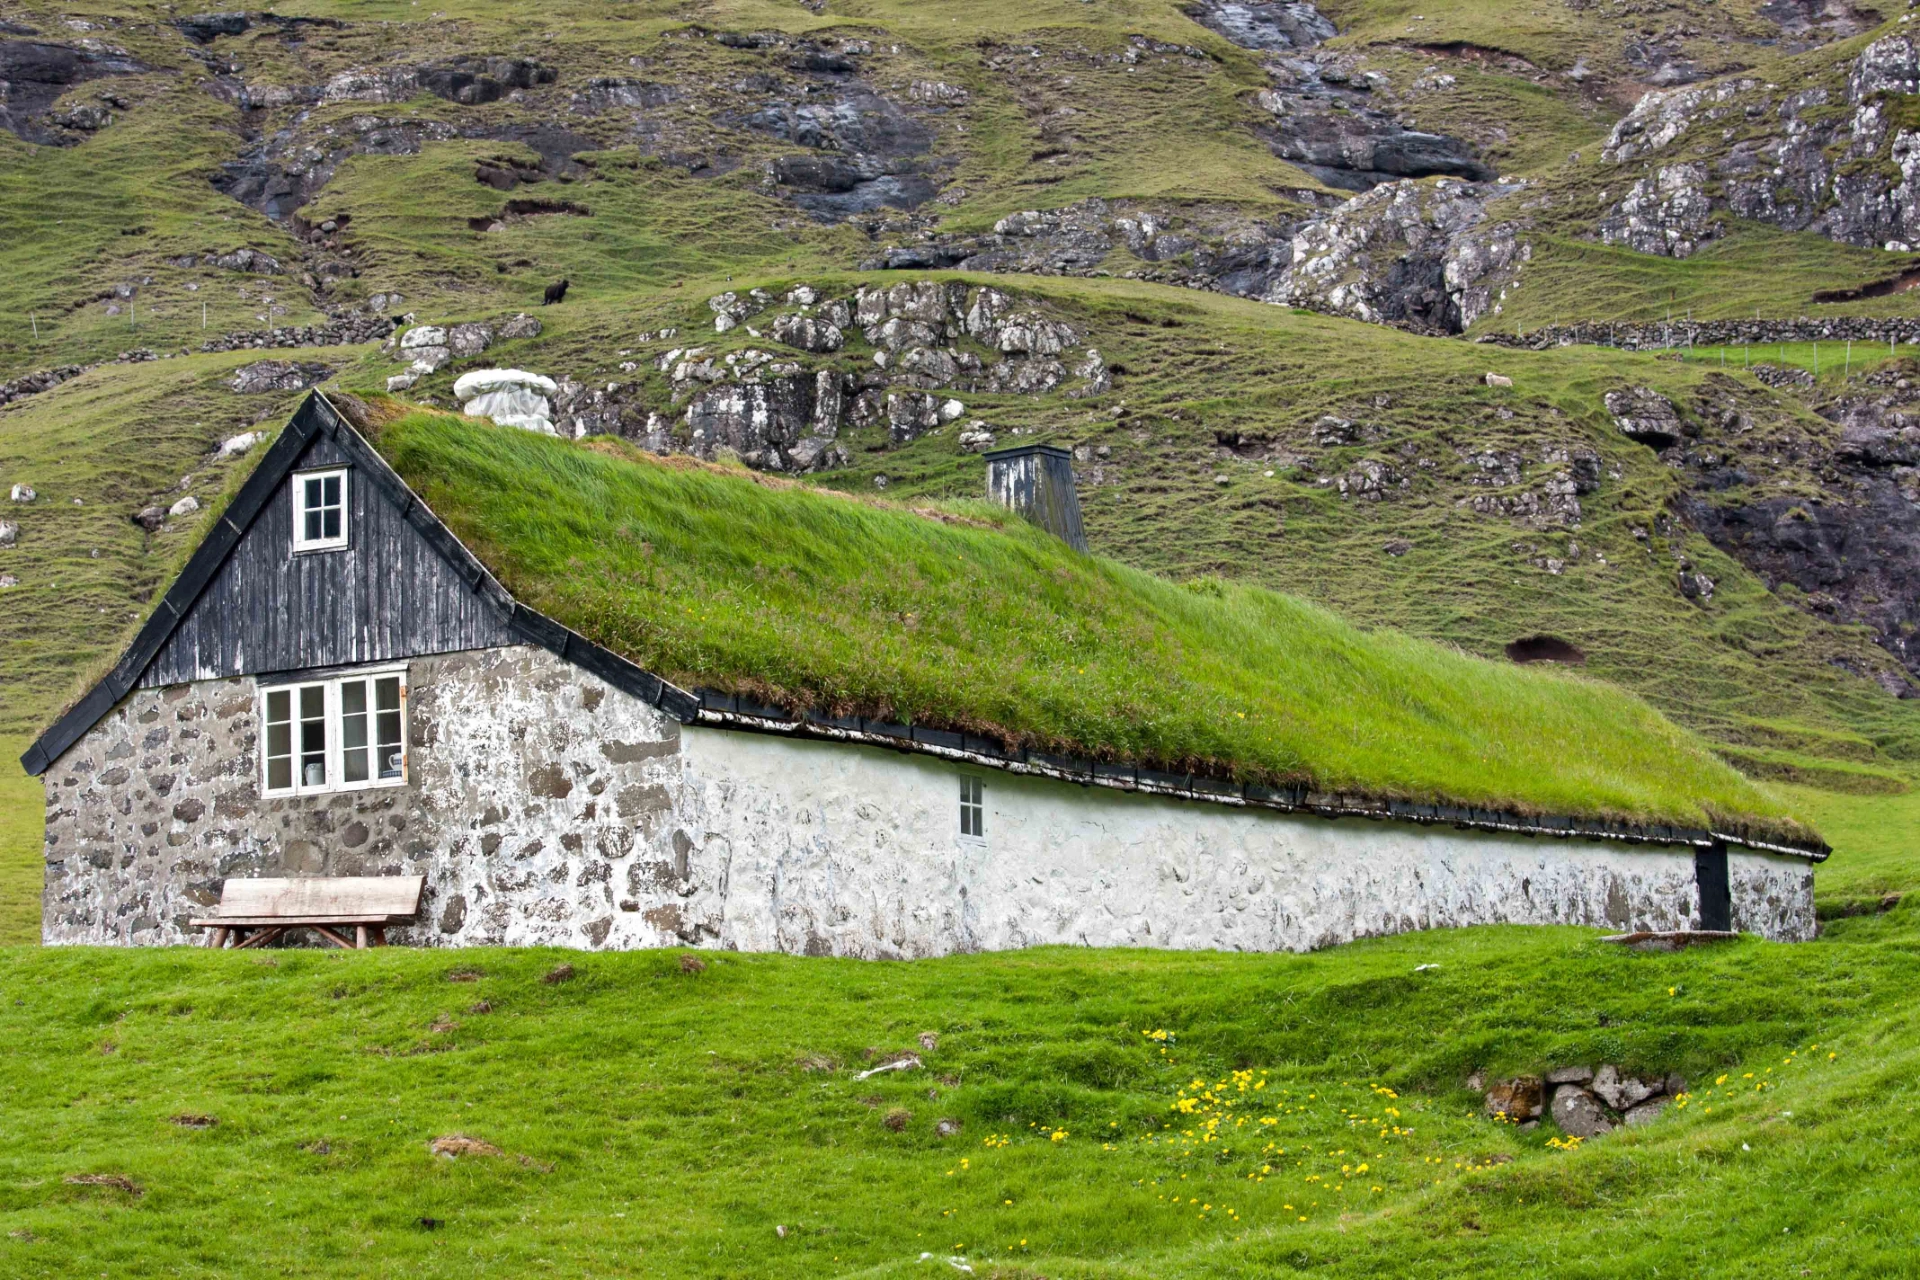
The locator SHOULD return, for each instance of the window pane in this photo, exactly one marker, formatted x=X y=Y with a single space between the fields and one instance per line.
x=353 y=731
x=312 y=486
x=387 y=736
x=313 y=736
x=330 y=487
x=279 y=743
x=331 y=524
x=313 y=524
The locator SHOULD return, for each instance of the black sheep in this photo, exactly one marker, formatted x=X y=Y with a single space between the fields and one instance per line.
x=555 y=292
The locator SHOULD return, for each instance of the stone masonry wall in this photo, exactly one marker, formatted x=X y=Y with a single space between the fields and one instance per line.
x=537 y=800
x=546 y=808
x=832 y=850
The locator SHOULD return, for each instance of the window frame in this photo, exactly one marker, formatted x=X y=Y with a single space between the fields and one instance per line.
x=333 y=721
x=973 y=804
x=301 y=542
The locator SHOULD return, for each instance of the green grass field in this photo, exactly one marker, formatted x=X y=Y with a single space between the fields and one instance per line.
x=22 y=824
x=653 y=1121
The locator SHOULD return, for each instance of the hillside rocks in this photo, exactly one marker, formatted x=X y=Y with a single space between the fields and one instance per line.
x=1852 y=553
x=277 y=375
x=1422 y=255
x=1830 y=154
x=1197 y=246
x=1645 y=415
x=1336 y=134
x=34 y=74
x=781 y=406
x=42 y=380
x=1668 y=213
x=1270 y=27
x=1581 y=1101
x=863 y=150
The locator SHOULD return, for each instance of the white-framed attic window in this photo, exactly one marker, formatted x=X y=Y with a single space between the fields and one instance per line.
x=320 y=509
x=342 y=734
x=973 y=811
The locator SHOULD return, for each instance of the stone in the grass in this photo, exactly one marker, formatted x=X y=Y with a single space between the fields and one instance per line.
x=1517 y=1099
x=1578 y=1113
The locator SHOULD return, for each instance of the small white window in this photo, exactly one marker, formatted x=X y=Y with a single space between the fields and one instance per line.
x=320 y=510
x=334 y=735
x=973 y=821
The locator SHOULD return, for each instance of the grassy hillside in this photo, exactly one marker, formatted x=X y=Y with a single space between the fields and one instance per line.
x=673 y=1121
x=983 y=623
x=1211 y=395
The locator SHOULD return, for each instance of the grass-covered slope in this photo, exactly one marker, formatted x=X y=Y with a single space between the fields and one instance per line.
x=272 y=1113
x=967 y=618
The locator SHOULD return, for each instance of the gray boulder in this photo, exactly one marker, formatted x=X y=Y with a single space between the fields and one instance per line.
x=1578 y=1114
x=521 y=326
x=809 y=333
x=1621 y=1091
x=1646 y=1113
x=277 y=375
x=1645 y=415
x=9 y=533
x=469 y=340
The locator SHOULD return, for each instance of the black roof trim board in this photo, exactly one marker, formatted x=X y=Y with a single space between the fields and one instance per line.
x=717 y=710
x=316 y=417
x=729 y=711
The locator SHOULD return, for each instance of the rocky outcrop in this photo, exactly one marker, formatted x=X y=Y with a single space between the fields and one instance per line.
x=1829 y=153
x=1198 y=247
x=1424 y=255
x=33 y=76
x=278 y=375
x=1852 y=554
x=1668 y=213
x=1268 y=25
x=1645 y=415
x=862 y=149
x=1583 y=1103
x=782 y=406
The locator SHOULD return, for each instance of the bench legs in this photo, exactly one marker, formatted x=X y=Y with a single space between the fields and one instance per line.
x=238 y=936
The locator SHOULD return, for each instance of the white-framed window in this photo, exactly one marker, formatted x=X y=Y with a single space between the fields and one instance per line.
x=973 y=813
x=340 y=734
x=320 y=509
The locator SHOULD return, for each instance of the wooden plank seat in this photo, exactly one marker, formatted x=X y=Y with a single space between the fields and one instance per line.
x=253 y=912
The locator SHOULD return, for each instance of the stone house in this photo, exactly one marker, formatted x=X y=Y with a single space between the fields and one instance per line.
x=336 y=685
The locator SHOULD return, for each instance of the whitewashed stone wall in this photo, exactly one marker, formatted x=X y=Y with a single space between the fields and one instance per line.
x=547 y=808
x=856 y=851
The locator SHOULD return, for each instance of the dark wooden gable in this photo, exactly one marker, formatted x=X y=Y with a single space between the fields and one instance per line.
x=388 y=594
x=245 y=604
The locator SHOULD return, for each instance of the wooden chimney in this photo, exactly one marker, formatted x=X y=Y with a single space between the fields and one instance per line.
x=1036 y=480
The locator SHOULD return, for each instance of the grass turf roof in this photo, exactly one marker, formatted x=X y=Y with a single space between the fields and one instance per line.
x=965 y=617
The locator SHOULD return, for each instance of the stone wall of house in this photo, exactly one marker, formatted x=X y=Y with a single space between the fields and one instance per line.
x=855 y=851
x=538 y=799
x=546 y=808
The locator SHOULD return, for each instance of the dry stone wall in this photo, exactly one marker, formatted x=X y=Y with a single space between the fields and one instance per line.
x=546 y=808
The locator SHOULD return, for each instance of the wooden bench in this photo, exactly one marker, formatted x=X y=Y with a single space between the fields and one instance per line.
x=253 y=913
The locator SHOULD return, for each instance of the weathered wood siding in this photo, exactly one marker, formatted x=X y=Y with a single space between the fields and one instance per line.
x=1036 y=480
x=387 y=595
